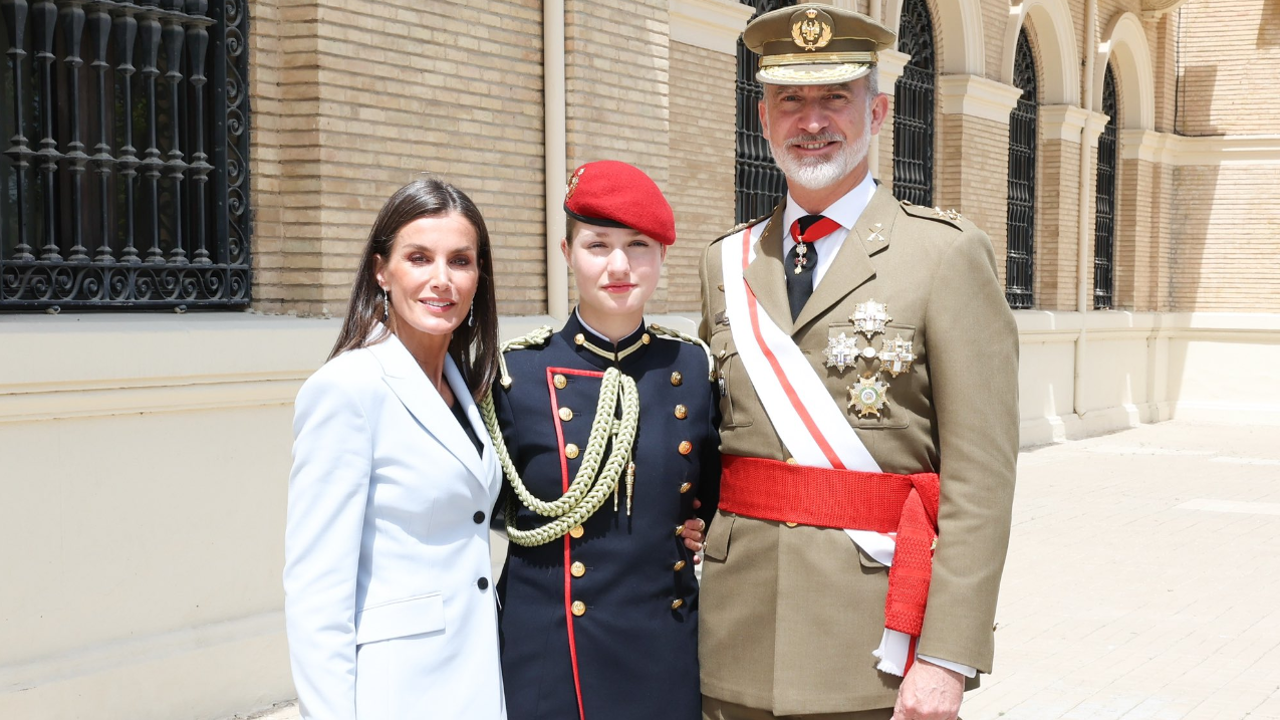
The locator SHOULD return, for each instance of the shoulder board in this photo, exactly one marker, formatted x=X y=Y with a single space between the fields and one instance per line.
x=667 y=332
x=936 y=214
x=532 y=339
x=743 y=226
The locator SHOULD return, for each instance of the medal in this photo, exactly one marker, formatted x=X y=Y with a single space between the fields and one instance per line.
x=870 y=318
x=840 y=352
x=868 y=396
x=802 y=250
x=896 y=356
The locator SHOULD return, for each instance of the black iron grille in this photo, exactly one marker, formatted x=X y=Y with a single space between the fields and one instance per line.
x=125 y=173
x=1104 y=224
x=913 y=110
x=759 y=184
x=1022 y=180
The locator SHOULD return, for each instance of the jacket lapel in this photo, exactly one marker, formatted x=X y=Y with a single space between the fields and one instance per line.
x=852 y=265
x=766 y=274
x=488 y=458
x=409 y=383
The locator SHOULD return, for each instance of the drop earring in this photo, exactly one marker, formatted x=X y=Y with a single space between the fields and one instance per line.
x=386 y=305
x=471 y=316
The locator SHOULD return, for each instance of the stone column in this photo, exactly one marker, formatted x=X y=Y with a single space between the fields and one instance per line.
x=973 y=152
x=891 y=65
x=1059 y=195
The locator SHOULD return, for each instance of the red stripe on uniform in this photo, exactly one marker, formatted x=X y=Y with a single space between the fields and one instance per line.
x=564 y=483
x=800 y=409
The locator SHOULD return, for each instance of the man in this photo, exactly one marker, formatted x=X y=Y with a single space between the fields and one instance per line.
x=867 y=363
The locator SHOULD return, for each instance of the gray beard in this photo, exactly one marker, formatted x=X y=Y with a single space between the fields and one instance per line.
x=819 y=174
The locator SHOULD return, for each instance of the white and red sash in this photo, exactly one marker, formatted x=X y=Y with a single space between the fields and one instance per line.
x=806 y=417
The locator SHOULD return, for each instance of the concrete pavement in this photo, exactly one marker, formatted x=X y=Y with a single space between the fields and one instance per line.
x=1142 y=581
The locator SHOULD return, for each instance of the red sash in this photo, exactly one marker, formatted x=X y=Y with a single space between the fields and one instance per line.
x=847 y=499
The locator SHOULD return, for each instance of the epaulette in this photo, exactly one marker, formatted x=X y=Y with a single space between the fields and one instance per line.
x=743 y=226
x=532 y=339
x=937 y=214
x=667 y=332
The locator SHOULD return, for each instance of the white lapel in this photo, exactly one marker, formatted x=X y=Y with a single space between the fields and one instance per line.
x=410 y=384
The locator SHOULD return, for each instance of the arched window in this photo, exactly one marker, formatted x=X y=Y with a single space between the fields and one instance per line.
x=913 y=107
x=1104 y=224
x=759 y=184
x=1022 y=179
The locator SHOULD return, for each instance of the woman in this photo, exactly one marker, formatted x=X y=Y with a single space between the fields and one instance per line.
x=388 y=606
x=610 y=437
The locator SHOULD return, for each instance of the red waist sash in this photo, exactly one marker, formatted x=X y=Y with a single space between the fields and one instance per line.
x=847 y=499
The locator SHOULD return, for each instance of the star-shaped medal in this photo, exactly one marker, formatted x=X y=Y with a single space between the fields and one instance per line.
x=868 y=396
x=840 y=352
x=896 y=356
x=870 y=317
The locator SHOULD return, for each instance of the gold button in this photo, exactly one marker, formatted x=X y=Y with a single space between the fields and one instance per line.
x=792 y=461
x=676 y=378
x=571 y=451
x=646 y=339
x=579 y=608
x=677 y=604
x=679 y=530
x=560 y=381
x=678 y=566
x=686 y=487
x=578 y=569
x=792 y=524
x=575 y=531
x=682 y=412
x=579 y=339
x=720 y=287
x=686 y=447
x=566 y=414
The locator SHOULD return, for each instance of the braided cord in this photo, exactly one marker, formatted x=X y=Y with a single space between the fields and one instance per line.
x=583 y=497
x=534 y=338
x=677 y=335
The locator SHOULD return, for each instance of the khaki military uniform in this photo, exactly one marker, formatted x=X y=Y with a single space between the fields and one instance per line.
x=791 y=615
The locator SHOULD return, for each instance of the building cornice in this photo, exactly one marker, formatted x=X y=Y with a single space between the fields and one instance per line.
x=1189 y=151
x=977 y=97
x=709 y=24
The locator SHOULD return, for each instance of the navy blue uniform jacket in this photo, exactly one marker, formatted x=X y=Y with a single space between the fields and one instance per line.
x=632 y=650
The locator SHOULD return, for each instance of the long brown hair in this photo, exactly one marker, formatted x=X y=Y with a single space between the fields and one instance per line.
x=473 y=348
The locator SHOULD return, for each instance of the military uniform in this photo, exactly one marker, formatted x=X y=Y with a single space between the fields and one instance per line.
x=602 y=623
x=792 y=612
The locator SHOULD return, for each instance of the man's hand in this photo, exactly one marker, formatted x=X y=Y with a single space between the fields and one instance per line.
x=693 y=533
x=929 y=692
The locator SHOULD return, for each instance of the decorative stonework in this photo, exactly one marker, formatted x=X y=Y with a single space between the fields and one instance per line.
x=709 y=24
x=977 y=96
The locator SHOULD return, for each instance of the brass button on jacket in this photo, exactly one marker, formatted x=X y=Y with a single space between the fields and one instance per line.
x=682 y=412
x=676 y=378
x=686 y=447
x=566 y=414
x=571 y=451
x=679 y=530
x=792 y=524
x=560 y=381
x=575 y=531
x=578 y=569
x=678 y=566
x=579 y=608
x=677 y=604
x=686 y=487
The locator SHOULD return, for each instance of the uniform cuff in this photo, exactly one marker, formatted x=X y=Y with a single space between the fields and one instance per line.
x=964 y=670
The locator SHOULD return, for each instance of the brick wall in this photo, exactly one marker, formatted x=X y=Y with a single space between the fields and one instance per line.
x=1229 y=62
x=1057 y=226
x=355 y=98
x=973 y=174
x=700 y=183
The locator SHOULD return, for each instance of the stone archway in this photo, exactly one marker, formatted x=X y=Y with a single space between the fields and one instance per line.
x=1124 y=43
x=1056 y=40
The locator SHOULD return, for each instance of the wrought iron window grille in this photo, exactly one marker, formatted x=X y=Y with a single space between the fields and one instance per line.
x=1104 y=223
x=913 y=107
x=125 y=172
x=759 y=184
x=1020 y=268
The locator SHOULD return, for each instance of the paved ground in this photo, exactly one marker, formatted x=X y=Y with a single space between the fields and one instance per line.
x=1143 y=580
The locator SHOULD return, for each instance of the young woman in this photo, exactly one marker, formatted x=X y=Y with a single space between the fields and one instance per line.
x=389 y=609
x=609 y=439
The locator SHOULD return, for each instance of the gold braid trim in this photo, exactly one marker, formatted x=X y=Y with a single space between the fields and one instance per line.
x=587 y=492
x=534 y=338
x=657 y=329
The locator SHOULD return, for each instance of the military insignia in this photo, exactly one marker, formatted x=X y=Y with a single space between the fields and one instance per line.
x=802 y=257
x=951 y=215
x=841 y=352
x=896 y=356
x=870 y=317
x=875 y=235
x=573 y=183
x=811 y=29
x=868 y=396
x=721 y=318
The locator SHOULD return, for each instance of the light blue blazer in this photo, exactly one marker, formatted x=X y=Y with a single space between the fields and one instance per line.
x=389 y=603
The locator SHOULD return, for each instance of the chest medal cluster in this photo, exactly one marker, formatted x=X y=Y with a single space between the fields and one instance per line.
x=869 y=393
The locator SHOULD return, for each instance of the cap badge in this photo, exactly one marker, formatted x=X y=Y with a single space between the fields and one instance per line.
x=811 y=29
x=573 y=183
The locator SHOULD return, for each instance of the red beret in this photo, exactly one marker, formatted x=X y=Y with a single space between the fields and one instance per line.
x=615 y=194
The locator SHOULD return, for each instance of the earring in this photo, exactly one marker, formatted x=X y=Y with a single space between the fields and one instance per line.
x=471 y=316
x=386 y=305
